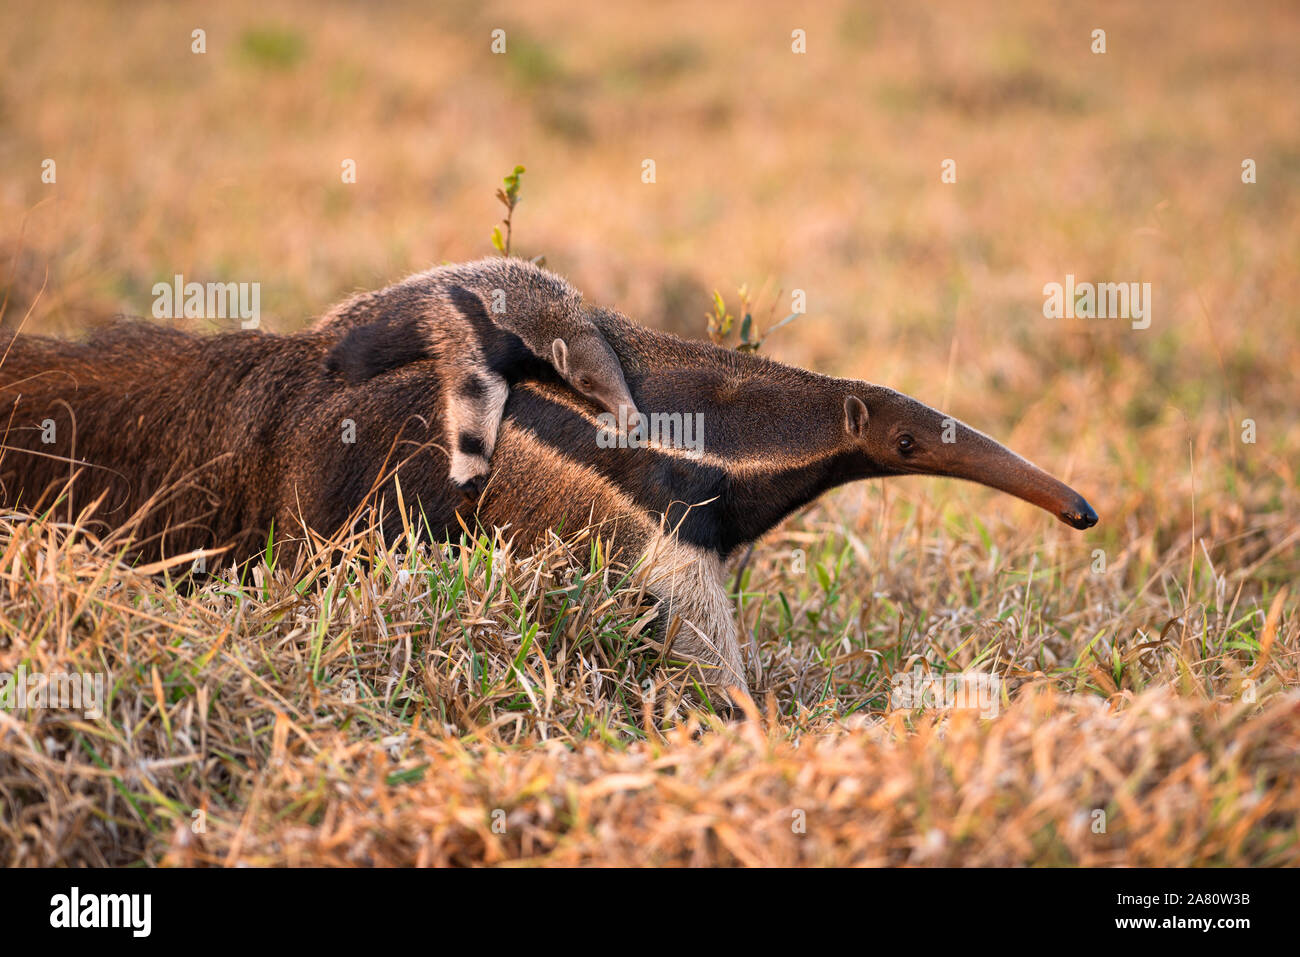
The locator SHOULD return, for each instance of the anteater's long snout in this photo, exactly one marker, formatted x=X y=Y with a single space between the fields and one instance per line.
x=977 y=457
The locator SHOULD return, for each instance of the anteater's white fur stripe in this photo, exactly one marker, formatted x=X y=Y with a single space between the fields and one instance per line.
x=739 y=467
x=690 y=581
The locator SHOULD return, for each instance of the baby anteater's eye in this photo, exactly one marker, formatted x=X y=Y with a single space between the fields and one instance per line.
x=584 y=382
x=906 y=443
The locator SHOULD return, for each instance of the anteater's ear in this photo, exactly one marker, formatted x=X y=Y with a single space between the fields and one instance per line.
x=855 y=416
x=366 y=351
x=560 y=353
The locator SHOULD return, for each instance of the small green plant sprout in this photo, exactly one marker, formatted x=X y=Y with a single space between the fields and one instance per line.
x=721 y=321
x=509 y=198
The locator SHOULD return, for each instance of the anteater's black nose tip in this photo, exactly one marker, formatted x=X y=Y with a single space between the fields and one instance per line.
x=1081 y=516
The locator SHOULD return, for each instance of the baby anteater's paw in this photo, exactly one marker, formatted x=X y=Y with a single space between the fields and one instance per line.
x=469 y=472
x=472 y=488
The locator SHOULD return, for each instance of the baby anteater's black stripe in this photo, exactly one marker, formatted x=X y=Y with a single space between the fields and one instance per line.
x=472 y=444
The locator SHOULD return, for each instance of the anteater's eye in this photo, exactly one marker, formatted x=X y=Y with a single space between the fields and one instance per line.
x=906 y=443
x=584 y=382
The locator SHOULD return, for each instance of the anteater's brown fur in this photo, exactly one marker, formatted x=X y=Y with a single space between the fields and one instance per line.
x=251 y=426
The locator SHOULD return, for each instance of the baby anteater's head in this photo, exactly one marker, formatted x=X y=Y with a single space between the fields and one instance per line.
x=589 y=365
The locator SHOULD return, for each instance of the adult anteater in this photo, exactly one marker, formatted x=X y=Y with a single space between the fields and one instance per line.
x=247 y=429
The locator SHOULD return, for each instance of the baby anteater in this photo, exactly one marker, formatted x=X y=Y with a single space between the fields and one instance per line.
x=486 y=324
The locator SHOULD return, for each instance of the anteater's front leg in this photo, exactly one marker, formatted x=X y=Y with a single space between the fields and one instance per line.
x=690 y=583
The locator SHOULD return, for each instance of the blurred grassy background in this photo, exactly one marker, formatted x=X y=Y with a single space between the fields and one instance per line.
x=818 y=172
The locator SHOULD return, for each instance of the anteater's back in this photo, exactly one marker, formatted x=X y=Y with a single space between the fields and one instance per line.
x=209 y=441
x=148 y=417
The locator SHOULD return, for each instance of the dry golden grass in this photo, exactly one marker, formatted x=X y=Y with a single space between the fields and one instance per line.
x=341 y=714
x=463 y=704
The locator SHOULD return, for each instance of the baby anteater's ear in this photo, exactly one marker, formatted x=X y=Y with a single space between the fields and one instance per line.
x=560 y=353
x=367 y=351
